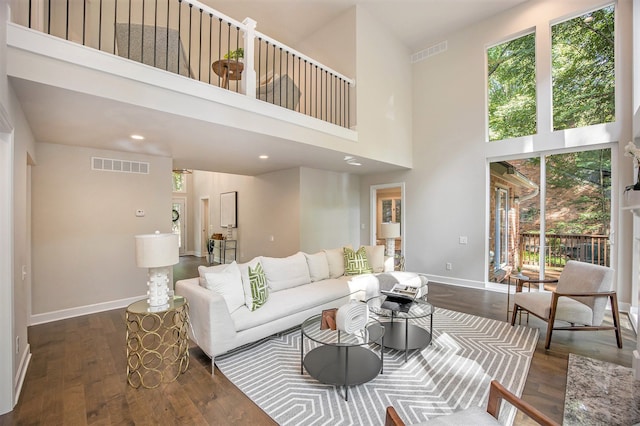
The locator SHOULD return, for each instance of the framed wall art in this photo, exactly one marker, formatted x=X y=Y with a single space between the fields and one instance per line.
x=229 y=209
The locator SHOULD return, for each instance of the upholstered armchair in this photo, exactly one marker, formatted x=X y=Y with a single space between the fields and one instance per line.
x=477 y=416
x=578 y=302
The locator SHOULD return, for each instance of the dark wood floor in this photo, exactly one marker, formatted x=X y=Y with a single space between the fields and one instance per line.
x=77 y=373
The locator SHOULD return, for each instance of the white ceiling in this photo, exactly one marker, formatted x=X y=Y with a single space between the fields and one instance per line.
x=417 y=23
x=61 y=116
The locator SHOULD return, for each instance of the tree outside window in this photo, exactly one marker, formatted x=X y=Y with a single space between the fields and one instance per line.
x=583 y=70
x=511 y=71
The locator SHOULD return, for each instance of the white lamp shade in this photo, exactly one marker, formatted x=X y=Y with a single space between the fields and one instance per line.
x=156 y=250
x=389 y=230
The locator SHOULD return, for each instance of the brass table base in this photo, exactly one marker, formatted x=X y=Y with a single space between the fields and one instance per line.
x=157 y=344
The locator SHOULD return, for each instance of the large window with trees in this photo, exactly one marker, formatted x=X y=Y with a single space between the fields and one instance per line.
x=583 y=70
x=511 y=71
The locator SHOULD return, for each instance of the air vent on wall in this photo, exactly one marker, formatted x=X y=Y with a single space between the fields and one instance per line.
x=426 y=53
x=122 y=166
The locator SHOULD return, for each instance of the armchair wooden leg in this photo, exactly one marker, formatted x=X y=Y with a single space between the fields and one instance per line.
x=616 y=319
x=552 y=319
x=516 y=308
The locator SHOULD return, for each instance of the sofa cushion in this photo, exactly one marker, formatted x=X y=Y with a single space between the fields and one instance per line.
x=335 y=259
x=355 y=262
x=258 y=284
x=318 y=266
x=292 y=301
x=246 y=284
x=286 y=272
x=226 y=280
x=375 y=256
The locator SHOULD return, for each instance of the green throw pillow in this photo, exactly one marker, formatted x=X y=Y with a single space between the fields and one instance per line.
x=356 y=262
x=258 y=284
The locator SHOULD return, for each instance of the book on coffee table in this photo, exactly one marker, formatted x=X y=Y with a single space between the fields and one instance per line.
x=399 y=298
x=397 y=303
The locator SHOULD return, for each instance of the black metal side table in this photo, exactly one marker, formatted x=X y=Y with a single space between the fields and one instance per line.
x=342 y=359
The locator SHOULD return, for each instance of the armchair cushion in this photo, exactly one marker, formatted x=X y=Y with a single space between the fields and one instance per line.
x=568 y=310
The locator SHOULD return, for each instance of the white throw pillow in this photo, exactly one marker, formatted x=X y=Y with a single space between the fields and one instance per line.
x=335 y=258
x=246 y=282
x=375 y=256
x=286 y=272
x=227 y=282
x=318 y=266
x=202 y=270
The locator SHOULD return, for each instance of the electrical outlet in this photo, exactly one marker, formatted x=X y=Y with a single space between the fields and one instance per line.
x=464 y=240
x=449 y=266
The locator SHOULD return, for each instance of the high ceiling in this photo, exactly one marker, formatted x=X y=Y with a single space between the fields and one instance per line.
x=51 y=111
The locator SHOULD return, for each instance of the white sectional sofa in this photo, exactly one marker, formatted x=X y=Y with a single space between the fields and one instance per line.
x=299 y=286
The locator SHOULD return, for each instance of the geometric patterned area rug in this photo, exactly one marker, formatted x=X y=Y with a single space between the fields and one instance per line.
x=451 y=374
x=600 y=393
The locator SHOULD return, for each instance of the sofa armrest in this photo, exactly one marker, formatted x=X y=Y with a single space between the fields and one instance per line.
x=211 y=323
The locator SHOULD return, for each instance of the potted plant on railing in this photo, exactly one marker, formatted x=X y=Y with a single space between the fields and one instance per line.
x=235 y=55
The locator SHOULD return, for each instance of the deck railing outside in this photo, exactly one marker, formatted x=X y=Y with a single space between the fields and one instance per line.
x=189 y=38
x=559 y=248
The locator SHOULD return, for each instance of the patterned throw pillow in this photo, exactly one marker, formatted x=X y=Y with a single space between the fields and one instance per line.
x=259 y=289
x=355 y=262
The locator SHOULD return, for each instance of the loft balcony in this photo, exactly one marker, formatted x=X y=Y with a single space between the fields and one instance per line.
x=173 y=66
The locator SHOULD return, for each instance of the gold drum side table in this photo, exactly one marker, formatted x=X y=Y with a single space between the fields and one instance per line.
x=157 y=342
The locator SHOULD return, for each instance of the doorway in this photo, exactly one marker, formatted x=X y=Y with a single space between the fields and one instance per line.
x=205 y=231
x=388 y=204
x=547 y=210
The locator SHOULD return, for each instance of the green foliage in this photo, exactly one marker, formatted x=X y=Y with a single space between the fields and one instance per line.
x=512 y=88
x=583 y=70
x=178 y=182
x=235 y=54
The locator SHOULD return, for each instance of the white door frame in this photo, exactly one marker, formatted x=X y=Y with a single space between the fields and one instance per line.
x=373 y=209
x=7 y=392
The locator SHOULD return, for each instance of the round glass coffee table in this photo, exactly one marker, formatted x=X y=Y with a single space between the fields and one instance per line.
x=342 y=359
x=402 y=335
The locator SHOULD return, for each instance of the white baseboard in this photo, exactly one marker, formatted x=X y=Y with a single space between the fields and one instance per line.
x=21 y=374
x=457 y=282
x=82 y=310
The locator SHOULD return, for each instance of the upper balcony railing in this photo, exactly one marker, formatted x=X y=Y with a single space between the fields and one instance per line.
x=189 y=38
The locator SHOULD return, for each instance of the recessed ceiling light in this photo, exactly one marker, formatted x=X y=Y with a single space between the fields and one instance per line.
x=263 y=157
x=352 y=161
x=137 y=137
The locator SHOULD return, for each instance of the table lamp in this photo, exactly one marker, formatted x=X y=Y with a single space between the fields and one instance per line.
x=390 y=231
x=158 y=252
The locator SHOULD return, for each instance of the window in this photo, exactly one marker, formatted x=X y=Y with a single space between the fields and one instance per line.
x=179 y=182
x=583 y=70
x=511 y=72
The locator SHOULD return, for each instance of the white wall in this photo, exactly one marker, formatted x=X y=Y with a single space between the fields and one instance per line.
x=17 y=145
x=446 y=192
x=84 y=224
x=329 y=209
x=384 y=92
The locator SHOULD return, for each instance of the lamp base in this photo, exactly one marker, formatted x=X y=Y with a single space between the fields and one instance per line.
x=390 y=248
x=158 y=292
